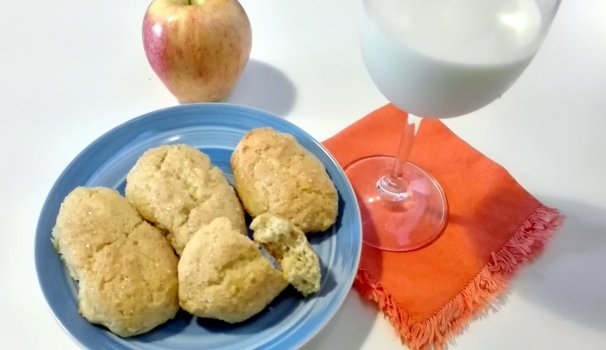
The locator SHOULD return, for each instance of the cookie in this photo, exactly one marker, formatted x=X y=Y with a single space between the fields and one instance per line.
x=273 y=173
x=289 y=246
x=224 y=276
x=125 y=267
x=178 y=189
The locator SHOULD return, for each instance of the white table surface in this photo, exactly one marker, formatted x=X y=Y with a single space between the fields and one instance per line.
x=72 y=70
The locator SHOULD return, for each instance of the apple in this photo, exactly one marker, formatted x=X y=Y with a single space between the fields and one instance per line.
x=198 y=48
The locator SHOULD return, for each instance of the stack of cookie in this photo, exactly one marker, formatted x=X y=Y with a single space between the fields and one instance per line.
x=179 y=238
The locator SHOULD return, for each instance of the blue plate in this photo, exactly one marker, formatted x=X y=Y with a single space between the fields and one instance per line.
x=289 y=321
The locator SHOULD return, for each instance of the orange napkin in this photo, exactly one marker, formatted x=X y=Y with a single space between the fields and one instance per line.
x=494 y=227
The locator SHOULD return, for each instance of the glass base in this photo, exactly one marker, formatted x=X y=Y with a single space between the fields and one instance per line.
x=397 y=222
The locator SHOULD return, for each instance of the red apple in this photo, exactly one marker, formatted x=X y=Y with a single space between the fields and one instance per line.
x=198 y=48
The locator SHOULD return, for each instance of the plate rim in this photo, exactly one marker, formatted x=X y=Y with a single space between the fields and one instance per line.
x=228 y=106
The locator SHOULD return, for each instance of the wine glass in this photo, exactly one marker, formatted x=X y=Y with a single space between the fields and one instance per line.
x=434 y=59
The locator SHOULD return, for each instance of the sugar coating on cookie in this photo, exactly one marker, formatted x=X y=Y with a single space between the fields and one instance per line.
x=274 y=173
x=178 y=189
x=289 y=246
x=224 y=276
x=125 y=268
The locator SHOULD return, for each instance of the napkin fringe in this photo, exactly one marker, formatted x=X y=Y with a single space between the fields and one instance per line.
x=526 y=244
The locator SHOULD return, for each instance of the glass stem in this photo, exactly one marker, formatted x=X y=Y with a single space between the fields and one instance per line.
x=393 y=187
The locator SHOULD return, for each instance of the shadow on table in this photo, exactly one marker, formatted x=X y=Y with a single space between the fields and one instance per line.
x=264 y=87
x=349 y=328
x=570 y=278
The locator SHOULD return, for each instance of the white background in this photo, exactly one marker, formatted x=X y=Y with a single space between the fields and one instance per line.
x=72 y=70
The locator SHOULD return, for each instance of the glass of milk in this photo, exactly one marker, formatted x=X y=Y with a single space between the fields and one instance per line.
x=435 y=59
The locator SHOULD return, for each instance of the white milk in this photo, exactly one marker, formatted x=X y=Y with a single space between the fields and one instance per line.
x=441 y=58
